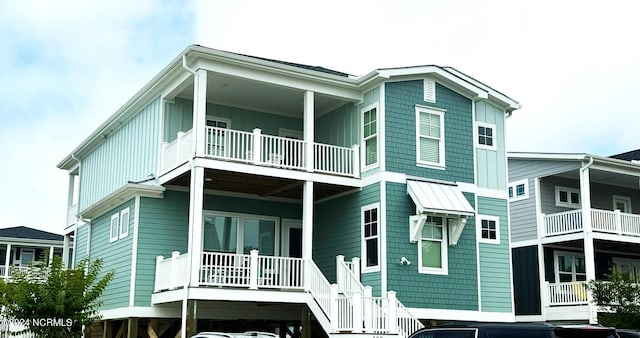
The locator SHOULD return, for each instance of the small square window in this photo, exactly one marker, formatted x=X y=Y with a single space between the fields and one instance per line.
x=115 y=227
x=567 y=197
x=518 y=190
x=489 y=229
x=486 y=136
x=124 y=223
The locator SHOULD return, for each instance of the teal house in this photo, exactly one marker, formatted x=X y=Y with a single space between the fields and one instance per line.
x=237 y=193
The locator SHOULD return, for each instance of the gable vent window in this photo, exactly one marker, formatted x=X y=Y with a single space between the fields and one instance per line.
x=429 y=90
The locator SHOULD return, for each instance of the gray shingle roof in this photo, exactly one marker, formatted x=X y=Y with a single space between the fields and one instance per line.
x=29 y=233
x=629 y=155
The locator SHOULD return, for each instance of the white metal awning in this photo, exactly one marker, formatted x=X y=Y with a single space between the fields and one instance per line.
x=433 y=198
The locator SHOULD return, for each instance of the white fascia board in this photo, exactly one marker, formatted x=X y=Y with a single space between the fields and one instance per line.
x=494 y=95
x=547 y=156
x=45 y=243
x=125 y=193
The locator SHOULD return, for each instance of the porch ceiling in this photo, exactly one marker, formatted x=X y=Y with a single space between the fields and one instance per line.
x=262 y=186
x=260 y=96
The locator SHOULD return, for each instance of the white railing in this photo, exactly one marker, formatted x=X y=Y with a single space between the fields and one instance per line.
x=568 y=293
x=407 y=323
x=348 y=282
x=171 y=272
x=226 y=269
x=320 y=288
x=177 y=151
x=336 y=160
x=563 y=222
x=280 y=272
x=601 y=221
x=282 y=152
x=10 y=329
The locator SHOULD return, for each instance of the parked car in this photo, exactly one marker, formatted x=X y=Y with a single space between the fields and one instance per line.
x=628 y=333
x=521 y=330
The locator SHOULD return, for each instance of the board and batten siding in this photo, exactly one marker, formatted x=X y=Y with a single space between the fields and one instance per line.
x=337 y=231
x=163 y=227
x=116 y=256
x=339 y=127
x=130 y=153
x=523 y=212
x=495 y=267
x=602 y=196
x=401 y=99
x=491 y=164
x=458 y=290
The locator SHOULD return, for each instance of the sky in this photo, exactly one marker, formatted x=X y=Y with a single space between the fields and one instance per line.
x=67 y=65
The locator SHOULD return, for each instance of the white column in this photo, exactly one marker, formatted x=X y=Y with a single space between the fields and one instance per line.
x=589 y=250
x=585 y=200
x=51 y=248
x=307 y=220
x=65 y=251
x=309 y=116
x=196 y=222
x=589 y=254
x=199 y=111
x=70 y=193
x=7 y=259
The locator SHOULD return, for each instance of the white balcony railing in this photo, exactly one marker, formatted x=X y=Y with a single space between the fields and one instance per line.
x=569 y=293
x=601 y=221
x=265 y=150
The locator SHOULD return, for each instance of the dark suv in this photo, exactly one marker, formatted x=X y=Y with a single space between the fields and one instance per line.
x=507 y=330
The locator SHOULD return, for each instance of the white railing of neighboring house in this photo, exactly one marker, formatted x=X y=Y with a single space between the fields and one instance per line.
x=178 y=151
x=171 y=272
x=567 y=293
x=601 y=221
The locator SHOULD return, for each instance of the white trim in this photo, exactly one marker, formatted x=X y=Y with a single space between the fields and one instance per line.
x=363 y=147
x=114 y=237
x=514 y=189
x=476 y=134
x=141 y=312
x=625 y=200
x=573 y=254
x=287 y=225
x=383 y=238
x=522 y=244
x=123 y=212
x=445 y=314
x=488 y=218
x=382 y=153
x=441 y=140
x=363 y=243
x=568 y=203
x=444 y=250
x=478 y=272
x=383 y=176
x=134 y=251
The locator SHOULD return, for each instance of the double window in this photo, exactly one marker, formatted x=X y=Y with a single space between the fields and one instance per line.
x=567 y=197
x=370 y=238
x=518 y=190
x=370 y=136
x=119 y=226
x=486 y=136
x=489 y=228
x=570 y=267
x=240 y=234
x=432 y=250
x=430 y=136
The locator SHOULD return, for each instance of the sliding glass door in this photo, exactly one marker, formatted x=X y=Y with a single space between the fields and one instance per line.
x=240 y=233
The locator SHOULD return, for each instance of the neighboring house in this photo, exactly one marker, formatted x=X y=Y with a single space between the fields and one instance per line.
x=22 y=246
x=273 y=193
x=574 y=217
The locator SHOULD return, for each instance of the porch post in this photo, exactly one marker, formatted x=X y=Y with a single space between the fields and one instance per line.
x=7 y=259
x=309 y=116
x=585 y=200
x=307 y=220
x=589 y=249
x=65 y=251
x=196 y=223
x=199 y=111
x=51 y=248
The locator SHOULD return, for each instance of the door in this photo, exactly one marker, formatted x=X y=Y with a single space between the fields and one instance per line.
x=622 y=203
x=632 y=266
x=292 y=238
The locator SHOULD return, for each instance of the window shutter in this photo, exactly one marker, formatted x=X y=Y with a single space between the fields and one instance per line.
x=429 y=90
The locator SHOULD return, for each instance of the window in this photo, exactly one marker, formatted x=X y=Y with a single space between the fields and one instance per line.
x=489 y=227
x=27 y=256
x=234 y=233
x=518 y=190
x=216 y=135
x=432 y=252
x=370 y=136
x=486 y=136
x=115 y=227
x=567 y=197
x=370 y=238
x=124 y=223
x=622 y=203
x=569 y=267
x=430 y=136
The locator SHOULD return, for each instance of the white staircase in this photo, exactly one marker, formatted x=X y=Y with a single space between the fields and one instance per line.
x=348 y=307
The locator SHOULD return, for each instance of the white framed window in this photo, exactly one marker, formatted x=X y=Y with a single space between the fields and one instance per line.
x=518 y=190
x=370 y=136
x=429 y=90
x=240 y=233
x=218 y=122
x=486 y=135
x=567 y=197
x=489 y=229
x=216 y=138
x=622 y=203
x=430 y=137
x=124 y=223
x=569 y=267
x=370 y=238
x=432 y=246
x=115 y=227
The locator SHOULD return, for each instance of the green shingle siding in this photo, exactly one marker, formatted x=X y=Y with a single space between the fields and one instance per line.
x=81 y=242
x=401 y=99
x=116 y=256
x=116 y=161
x=456 y=291
x=495 y=273
x=337 y=231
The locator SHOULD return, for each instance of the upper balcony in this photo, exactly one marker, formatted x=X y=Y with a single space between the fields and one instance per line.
x=604 y=221
x=259 y=149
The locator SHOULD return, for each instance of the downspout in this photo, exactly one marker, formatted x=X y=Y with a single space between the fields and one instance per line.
x=187 y=282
